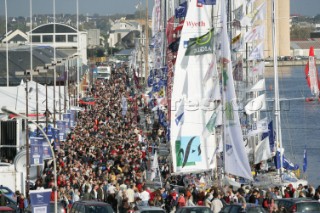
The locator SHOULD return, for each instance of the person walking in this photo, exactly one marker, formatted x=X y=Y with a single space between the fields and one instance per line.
x=216 y=204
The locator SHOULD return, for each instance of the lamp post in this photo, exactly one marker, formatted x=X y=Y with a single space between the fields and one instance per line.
x=7 y=47
x=5 y=110
x=78 y=63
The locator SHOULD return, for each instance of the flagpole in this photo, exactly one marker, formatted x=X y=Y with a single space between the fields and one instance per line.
x=146 y=46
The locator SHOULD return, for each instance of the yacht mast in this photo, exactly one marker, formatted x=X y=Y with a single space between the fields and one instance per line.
x=276 y=85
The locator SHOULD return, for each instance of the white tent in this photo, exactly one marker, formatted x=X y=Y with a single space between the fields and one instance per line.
x=15 y=97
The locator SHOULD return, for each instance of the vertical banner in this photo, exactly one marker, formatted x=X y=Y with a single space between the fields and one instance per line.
x=66 y=119
x=40 y=200
x=56 y=138
x=72 y=118
x=61 y=127
x=36 y=151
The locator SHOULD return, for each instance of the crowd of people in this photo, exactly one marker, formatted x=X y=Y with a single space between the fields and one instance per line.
x=106 y=158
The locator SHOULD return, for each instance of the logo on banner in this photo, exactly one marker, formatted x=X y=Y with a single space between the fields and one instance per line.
x=188 y=151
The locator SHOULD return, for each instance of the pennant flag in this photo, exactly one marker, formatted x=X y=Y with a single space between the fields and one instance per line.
x=212 y=69
x=257 y=52
x=180 y=113
x=259 y=86
x=255 y=105
x=260 y=13
x=239 y=13
x=305 y=161
x=237 y=42
x=262 y=151
x=181 y=11
x=257 y=14
x=201 y=45
x=206 y=2
x=210 y=126
x=256 y=33
x=259 y=68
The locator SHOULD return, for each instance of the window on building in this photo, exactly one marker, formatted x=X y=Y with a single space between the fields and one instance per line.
x=47 y=38
x=72 y=38
x=36 y=38
x=61 y=38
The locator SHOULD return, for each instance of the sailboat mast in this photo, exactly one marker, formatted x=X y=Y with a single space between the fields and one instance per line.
x=276 y=84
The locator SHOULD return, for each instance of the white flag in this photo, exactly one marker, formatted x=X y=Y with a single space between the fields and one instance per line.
x=256 y=33
x=255 y=105
x=262 y=151
x=257 y=52
x=259 y=127
x=212 y=69
x=259 y=86
x=236 y=159
x=260 y=13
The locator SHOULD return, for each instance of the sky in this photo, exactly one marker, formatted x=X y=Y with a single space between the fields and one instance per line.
x=109 y=7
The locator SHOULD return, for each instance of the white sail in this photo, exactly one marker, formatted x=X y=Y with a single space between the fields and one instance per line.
x=190 y=151
x=236 y=159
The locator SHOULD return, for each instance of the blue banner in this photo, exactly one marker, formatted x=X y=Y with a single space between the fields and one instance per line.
x=66 y=119
x=305 y=161
x=61 y=127
x=56 y=139
x=286 y=164
x=72 y=118
x=36 y=151
x=40 y=200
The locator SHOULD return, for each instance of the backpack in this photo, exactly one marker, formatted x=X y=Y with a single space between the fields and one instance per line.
x=265 y=203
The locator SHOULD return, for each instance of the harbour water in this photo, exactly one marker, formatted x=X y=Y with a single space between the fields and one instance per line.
x=300 y=120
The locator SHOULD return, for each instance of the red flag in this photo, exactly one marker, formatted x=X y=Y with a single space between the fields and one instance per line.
x=179 y=27
x=170 y=30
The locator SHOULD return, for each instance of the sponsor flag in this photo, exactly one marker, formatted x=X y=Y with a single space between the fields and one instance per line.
x=181 y=11
x=258 y=127
x=262 y=151
x=201 y=45
x=235 y=158
x=305 y=161
x=257 y=52
x=255 y=105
